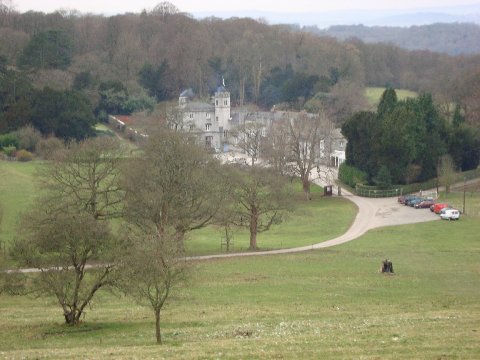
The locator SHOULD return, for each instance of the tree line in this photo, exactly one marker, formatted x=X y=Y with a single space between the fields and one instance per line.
x=453 y=39
x=157 y=53
x=156 y=196
x=404 y=141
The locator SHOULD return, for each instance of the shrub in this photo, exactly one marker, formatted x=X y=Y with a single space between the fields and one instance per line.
x=10 y=151
x=351 y=176
x=24 y=155
x=8 y=140
x=47 y=147
x=28 y=137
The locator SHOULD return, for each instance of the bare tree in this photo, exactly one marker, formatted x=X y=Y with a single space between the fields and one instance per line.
x=63 y=232
x=165 y=9
x=275 y=147
x=173 y=187
x=60 y=245
x=249 y=137
x=152 y=268
x=86 y=176
x=447 y=173
x=304 y=135
x=173 y=184
x=260 y=198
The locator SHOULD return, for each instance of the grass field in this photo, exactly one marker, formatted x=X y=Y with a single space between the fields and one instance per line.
x=472 y=200
x=321 y=304
x=312 y=222
x=330 y=304
x=17 y=190
x=373 y=95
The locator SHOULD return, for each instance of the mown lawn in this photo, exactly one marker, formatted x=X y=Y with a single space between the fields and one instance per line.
x=374 y=94
x=311 y=222
x=329 y=304
x=17 y=191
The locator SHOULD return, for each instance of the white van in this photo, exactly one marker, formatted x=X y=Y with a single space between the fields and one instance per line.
x=450 y=214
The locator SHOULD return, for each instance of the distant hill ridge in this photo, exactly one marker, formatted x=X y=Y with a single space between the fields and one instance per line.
x=452 y=39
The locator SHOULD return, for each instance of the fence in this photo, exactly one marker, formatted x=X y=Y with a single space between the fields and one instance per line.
x=373 y=192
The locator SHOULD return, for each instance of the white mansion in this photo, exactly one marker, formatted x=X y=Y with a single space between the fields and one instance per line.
x=212 y=122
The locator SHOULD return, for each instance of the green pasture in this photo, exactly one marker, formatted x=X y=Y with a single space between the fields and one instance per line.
x=330 y=304
x=472 y=200
x=373 y=95
x=309 y=223
x=17 y=191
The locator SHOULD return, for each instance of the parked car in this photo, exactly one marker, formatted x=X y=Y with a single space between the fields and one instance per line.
x=444 y=209
x=438 y=207
x=405 y=198
x=450 y=214
x=415 y=201
x=424 y=204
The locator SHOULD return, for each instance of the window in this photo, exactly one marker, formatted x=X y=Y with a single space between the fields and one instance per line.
x=208 y=141
x=216 y=102
x=207 y=127
x=191 y=115
x=225 y=102
x=225 y=133
x=192 y=127
x=207 y=115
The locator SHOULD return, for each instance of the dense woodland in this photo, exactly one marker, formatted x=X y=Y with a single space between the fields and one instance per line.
x=158 y=53
x=61 y=72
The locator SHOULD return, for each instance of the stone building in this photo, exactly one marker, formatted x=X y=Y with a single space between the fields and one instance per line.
x=211 y=122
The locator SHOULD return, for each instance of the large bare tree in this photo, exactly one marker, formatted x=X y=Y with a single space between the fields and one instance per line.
x=304 y=135
x=173 y=187
x=259 y=199
x=173 y=184
x=64 y=231
x=153 y=267
x=249 y=137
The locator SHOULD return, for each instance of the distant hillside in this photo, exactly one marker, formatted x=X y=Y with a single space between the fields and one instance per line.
x=453 y=39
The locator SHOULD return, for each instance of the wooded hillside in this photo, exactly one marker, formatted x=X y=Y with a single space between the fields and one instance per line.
x=157 y=54
x=453 y=39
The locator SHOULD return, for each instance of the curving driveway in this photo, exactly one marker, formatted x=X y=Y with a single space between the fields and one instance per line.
x=372 y=213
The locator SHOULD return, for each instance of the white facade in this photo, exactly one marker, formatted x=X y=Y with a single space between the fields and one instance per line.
x=211 y=122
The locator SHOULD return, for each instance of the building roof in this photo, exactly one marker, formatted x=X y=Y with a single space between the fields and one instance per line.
x=198 y=106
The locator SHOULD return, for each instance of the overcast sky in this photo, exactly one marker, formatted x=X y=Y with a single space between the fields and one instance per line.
x=121 y=6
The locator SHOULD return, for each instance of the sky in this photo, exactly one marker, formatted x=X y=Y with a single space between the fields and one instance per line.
x=109 y=7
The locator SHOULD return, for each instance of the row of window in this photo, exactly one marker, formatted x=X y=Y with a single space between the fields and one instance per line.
x=207 y=115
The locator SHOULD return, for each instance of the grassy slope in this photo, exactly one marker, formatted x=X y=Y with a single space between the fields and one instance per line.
x=323 y=304
x=16 y=194
x=373 y=95
x=312 y=222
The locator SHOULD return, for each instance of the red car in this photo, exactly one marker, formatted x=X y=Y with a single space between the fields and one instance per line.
x=438 y=207
x=424 y=204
